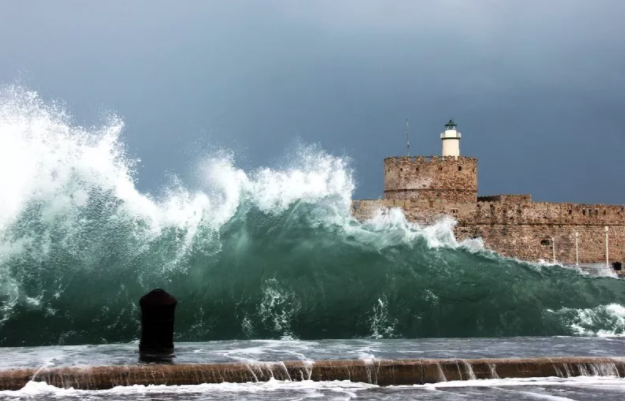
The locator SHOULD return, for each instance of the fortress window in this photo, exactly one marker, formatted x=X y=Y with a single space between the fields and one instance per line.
x=440 y=169
x=417 y=169
x=545 y=242
x=596 y=212
x=570 y=212
x=584 y=212
x=459 y=168
x=454 y=211
x=401 y=169
x=604 y=212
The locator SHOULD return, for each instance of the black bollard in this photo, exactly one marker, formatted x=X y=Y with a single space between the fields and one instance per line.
x=158 y=310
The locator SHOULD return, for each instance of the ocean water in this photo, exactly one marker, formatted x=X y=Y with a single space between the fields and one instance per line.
x=261 y=351
x=267 y=254
x=583 y=388
x=257 y=352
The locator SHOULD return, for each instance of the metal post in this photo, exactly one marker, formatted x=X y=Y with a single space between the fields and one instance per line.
x=553 y=246
x=607 y=246
x=576 y=248
x=158 y=310
x=407 y=138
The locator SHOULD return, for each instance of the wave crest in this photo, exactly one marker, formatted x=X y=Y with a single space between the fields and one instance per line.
x=270 y=253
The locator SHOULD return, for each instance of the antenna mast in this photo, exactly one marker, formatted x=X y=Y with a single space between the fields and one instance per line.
x=407 y=137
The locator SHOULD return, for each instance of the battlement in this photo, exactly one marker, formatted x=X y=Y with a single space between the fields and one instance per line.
x=428 y=159
x=535 y=213
x=506 y=198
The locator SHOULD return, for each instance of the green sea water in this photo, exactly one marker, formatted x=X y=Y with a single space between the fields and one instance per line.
x=264 y=254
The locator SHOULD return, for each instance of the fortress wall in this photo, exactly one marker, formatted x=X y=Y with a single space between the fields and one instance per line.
x=548 y=213
x=506 y=198
x=533 y=242
x=417 y=210
x=432 y=195
x=491 y=213
x=431 y=178
x=522 y=231
x=429 y=188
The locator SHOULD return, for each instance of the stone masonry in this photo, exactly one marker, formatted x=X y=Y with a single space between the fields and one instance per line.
x=427 y=188
x=432 y=178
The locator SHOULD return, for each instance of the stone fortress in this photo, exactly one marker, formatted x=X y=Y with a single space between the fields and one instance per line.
x=429 y=187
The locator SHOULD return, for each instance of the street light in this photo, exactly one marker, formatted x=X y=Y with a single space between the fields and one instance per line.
x=576 y=248
x=607 y=246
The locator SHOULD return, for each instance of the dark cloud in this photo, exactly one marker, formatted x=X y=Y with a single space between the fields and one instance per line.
x=537 y=87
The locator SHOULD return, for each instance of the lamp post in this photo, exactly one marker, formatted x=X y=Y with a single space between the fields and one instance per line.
x=607 y=246
x=576 y=248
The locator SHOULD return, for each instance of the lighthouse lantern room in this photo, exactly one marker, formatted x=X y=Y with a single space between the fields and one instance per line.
x=451 y=139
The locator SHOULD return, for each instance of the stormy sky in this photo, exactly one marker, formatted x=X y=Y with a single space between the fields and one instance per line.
x=537 y=87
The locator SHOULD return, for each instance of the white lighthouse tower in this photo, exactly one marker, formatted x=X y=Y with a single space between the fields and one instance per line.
x=451 y=139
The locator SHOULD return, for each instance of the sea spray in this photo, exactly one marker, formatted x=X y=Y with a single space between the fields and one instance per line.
x=270 y=253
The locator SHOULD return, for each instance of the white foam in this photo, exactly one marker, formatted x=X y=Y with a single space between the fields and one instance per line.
x=278 y=307
x=382 y=325
x=41 y=389
x=581 y=381
x=602 y=321
x=57 y=162
x=34 y=389
x=61 y=167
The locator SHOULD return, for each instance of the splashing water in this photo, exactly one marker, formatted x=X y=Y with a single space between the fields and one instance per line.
x=270 y=253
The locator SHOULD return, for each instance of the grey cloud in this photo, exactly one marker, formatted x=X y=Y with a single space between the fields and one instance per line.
x=537 y=87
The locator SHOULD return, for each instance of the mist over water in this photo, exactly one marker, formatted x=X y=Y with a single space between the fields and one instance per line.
x=270 y=253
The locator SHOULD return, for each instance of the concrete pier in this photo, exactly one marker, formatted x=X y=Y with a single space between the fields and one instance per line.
x=382 y=372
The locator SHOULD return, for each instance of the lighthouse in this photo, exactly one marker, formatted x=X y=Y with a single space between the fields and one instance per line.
x=451 y=139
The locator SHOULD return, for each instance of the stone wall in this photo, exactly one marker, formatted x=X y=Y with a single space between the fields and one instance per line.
x=523 y=230
x=534 y=242
x=431 y=178
x=505 y=198
x=422 y=211
x=428 y=188
x=547 y=213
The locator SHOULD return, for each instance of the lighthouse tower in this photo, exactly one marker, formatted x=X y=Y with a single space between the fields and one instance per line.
x=451 y=139
x=446 y=183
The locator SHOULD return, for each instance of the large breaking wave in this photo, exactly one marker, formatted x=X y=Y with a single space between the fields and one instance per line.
x=269 y=253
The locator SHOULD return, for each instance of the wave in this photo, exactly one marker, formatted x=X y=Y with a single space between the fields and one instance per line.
x=269 y=253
